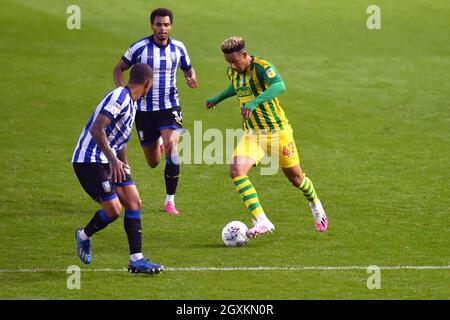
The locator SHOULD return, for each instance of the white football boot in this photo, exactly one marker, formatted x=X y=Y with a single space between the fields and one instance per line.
x=320 y=218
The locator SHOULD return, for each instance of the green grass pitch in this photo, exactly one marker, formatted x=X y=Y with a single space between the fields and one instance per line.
x=371 y=117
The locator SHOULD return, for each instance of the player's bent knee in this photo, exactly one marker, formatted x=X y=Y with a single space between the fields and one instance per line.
x=112 y=208
x=171 y=148
x=133 y=204
x=114 y=213
x=153 y=163
x=136 y=205
x=152 y=156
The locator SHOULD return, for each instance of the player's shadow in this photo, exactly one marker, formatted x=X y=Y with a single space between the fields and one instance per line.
x=219 y=245
x=214 y=245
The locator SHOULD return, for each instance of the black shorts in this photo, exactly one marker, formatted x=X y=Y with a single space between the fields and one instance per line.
x=150 y=123
x=94 y=180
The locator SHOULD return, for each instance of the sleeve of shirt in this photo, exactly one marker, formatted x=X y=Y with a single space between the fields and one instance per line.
x=185 y=61
x=271 y=74
x=115 y=105
x=225 y=94
x=129 y=56
x=276 y=85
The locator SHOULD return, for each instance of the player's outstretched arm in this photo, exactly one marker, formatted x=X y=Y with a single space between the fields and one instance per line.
x=227 y=93
x=270 y=93
x=118 y=72
x=274 y=90
x=117 y=167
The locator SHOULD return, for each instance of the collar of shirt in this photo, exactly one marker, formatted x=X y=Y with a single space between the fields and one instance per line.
x=152 y=40
x=129 y=93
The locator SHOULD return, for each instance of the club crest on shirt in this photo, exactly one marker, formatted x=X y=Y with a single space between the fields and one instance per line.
x=173 y=56
x=270 y=73
x=115 y=109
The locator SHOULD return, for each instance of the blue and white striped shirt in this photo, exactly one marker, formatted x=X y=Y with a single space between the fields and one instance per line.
x=164 y=62
x=120 y=108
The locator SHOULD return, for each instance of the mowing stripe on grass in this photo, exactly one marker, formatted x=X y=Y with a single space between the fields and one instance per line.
x=294 y=268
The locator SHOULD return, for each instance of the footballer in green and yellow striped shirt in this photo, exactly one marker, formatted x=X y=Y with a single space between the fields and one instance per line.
x=257 y=83
x=267 y=115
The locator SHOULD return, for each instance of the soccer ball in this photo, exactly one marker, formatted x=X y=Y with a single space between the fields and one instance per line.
x=234 y=234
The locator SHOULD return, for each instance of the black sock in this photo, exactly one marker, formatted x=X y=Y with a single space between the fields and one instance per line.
x=171 y=174
x=97 y=223
x=132 y=224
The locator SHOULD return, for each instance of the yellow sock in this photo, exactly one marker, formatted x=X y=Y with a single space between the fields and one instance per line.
x=248 y=194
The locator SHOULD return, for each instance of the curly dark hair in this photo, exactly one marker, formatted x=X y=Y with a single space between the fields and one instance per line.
x=161 y=12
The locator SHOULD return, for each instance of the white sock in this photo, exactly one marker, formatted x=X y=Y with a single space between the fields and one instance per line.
x=171 y=198
x=315 y=205
x=136 y=256
x=83 y=235
x=261 y=217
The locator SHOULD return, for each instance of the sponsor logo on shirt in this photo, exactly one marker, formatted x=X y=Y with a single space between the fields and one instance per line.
x=162 y=70
x=244 y=92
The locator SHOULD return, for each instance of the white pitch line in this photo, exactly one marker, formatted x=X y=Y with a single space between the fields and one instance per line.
x=293 y=268
x=303 y=268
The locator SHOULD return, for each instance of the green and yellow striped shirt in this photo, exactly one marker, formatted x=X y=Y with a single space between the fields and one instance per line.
x=258 y=77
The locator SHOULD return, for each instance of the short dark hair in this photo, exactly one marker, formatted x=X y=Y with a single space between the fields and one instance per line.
x=140 y=73
x=161 y=12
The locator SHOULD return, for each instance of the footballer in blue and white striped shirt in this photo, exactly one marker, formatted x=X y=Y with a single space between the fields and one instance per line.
x=100 y=163
x=159 y=112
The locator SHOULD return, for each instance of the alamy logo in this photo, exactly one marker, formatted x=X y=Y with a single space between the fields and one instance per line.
x=74 y=19
x=374 y=20
x=74 y=280
x=374 y=281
